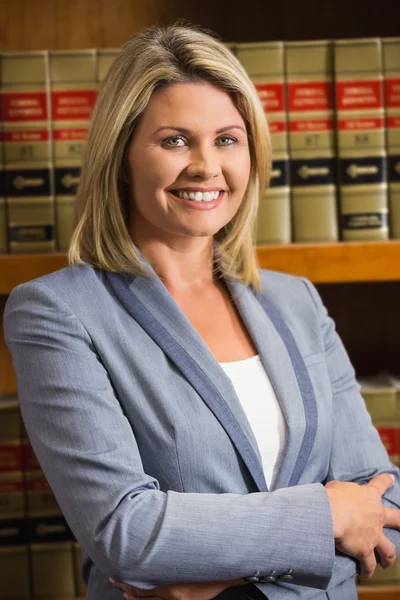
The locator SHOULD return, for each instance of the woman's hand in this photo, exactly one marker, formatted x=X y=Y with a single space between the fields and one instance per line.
x=358 y=520
x=179 y=591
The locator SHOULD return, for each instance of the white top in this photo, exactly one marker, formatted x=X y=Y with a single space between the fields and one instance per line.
x=258 y=399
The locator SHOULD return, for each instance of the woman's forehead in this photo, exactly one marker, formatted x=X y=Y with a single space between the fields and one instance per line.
x=190 y=105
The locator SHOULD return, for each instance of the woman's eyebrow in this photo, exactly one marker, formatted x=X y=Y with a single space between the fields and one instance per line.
x=188 y=131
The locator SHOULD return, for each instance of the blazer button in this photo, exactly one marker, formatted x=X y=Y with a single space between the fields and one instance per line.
x=253 y=578
x=268 y=578
x=287 y=576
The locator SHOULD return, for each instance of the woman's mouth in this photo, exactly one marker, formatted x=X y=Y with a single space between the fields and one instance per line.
x=198 y=200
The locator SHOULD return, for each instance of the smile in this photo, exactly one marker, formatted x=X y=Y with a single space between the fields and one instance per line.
x=197 y=196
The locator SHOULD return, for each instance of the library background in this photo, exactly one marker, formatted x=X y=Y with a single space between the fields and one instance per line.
x=329 y=78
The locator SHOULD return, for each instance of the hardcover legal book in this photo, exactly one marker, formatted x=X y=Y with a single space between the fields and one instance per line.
x=14 y=552
x=264 y=62
x=50 y=539
x=27 y=152
x=73 y=95
x=312 y=141
x=3 y=217
x=105 y=58
x=361 y=139
x=391 y=69
x=80 y=585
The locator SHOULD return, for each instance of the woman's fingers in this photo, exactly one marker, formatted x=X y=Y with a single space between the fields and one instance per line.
x=367 y=566
x=132 y=591
x=392 y=518
x=386 y=552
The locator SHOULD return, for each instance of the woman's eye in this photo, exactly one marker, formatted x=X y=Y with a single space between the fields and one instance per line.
x=174 y=141
x=226 y=140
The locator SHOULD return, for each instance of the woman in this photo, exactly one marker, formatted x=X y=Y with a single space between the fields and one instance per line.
x=193 y=414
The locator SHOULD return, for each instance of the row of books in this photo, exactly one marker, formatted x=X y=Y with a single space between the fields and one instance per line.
x=382 y=398
x=39 y=557
x=334 y=113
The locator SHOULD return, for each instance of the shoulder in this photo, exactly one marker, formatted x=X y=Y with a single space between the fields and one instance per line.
x=72 y=286
x=288 y=290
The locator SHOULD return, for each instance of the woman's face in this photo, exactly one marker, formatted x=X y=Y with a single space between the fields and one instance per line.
x=188 y=163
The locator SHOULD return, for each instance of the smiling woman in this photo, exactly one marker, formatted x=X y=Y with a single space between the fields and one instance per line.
x=197 y=418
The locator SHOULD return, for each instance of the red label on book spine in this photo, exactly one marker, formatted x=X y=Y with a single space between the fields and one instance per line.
x=359 y=94
x=31 y=135
x=73 y=104
x=360 y=124
x=311 y=125
x=37 y=485
x=25 y=106
x=393 y=122
x=310 y=96
x=390 y=437
x=11 y=486
x=277 y=127
x=271 y=96
x=10 y=458
x=67 y=135
x=393 y=92
x=31 y=463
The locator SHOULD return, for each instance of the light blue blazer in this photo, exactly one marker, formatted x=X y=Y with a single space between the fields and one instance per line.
x=149 y=452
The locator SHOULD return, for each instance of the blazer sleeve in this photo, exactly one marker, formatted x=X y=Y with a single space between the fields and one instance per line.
x=131 y=530
x=358 y=454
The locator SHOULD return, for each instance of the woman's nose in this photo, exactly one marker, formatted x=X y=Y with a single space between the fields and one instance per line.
x=204 y=163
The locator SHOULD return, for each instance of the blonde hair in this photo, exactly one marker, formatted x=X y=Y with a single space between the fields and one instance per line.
x=155 y=57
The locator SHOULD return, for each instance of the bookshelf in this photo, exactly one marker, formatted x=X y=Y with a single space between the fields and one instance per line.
x=359 y=282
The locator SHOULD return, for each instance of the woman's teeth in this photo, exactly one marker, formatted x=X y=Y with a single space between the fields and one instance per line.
x=198 y=196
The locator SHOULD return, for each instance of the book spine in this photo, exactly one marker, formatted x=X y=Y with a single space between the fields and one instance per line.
x=312 y=143
x=361 y=139
x=105 y=58
x=73 y=95
x=50 y=539
x=80 y=585
x=27 y=152
x=264 y=62
x=390 y=437
x=391 y=68
x=3 y=216
x=14 y=552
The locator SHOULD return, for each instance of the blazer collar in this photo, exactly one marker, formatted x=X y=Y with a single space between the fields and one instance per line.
x=152 y=306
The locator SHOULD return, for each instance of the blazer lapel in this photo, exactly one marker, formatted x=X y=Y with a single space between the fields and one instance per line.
x=152 y=306
x=288 y=375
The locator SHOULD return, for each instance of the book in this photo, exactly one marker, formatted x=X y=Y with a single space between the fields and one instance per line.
x=105 y=58
x=80 y=585
x=14 y=550
x=391 y=70
x=312 y=141
x=73 y=95
x=264 y=62
x=50 y=539
x=27 y=152
x=361 y=139
x=382 y=400
x=3 y=216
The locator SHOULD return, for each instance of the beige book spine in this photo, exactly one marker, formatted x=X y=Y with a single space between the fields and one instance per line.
x=264 y=63
x=3 y=214
x=80 y=585
x=361 y=139
x=312 y=143
x=73 y=94
x=105 y=58
x=14 y=551
x=50 y=540
x=391 y=69
x=27 y=152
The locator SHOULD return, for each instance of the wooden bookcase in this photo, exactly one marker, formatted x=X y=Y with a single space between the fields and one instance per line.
x=359 y=282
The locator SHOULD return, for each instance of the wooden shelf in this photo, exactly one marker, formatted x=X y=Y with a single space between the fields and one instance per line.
x=321 y=263
x=379 y=592
x=335 y=263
